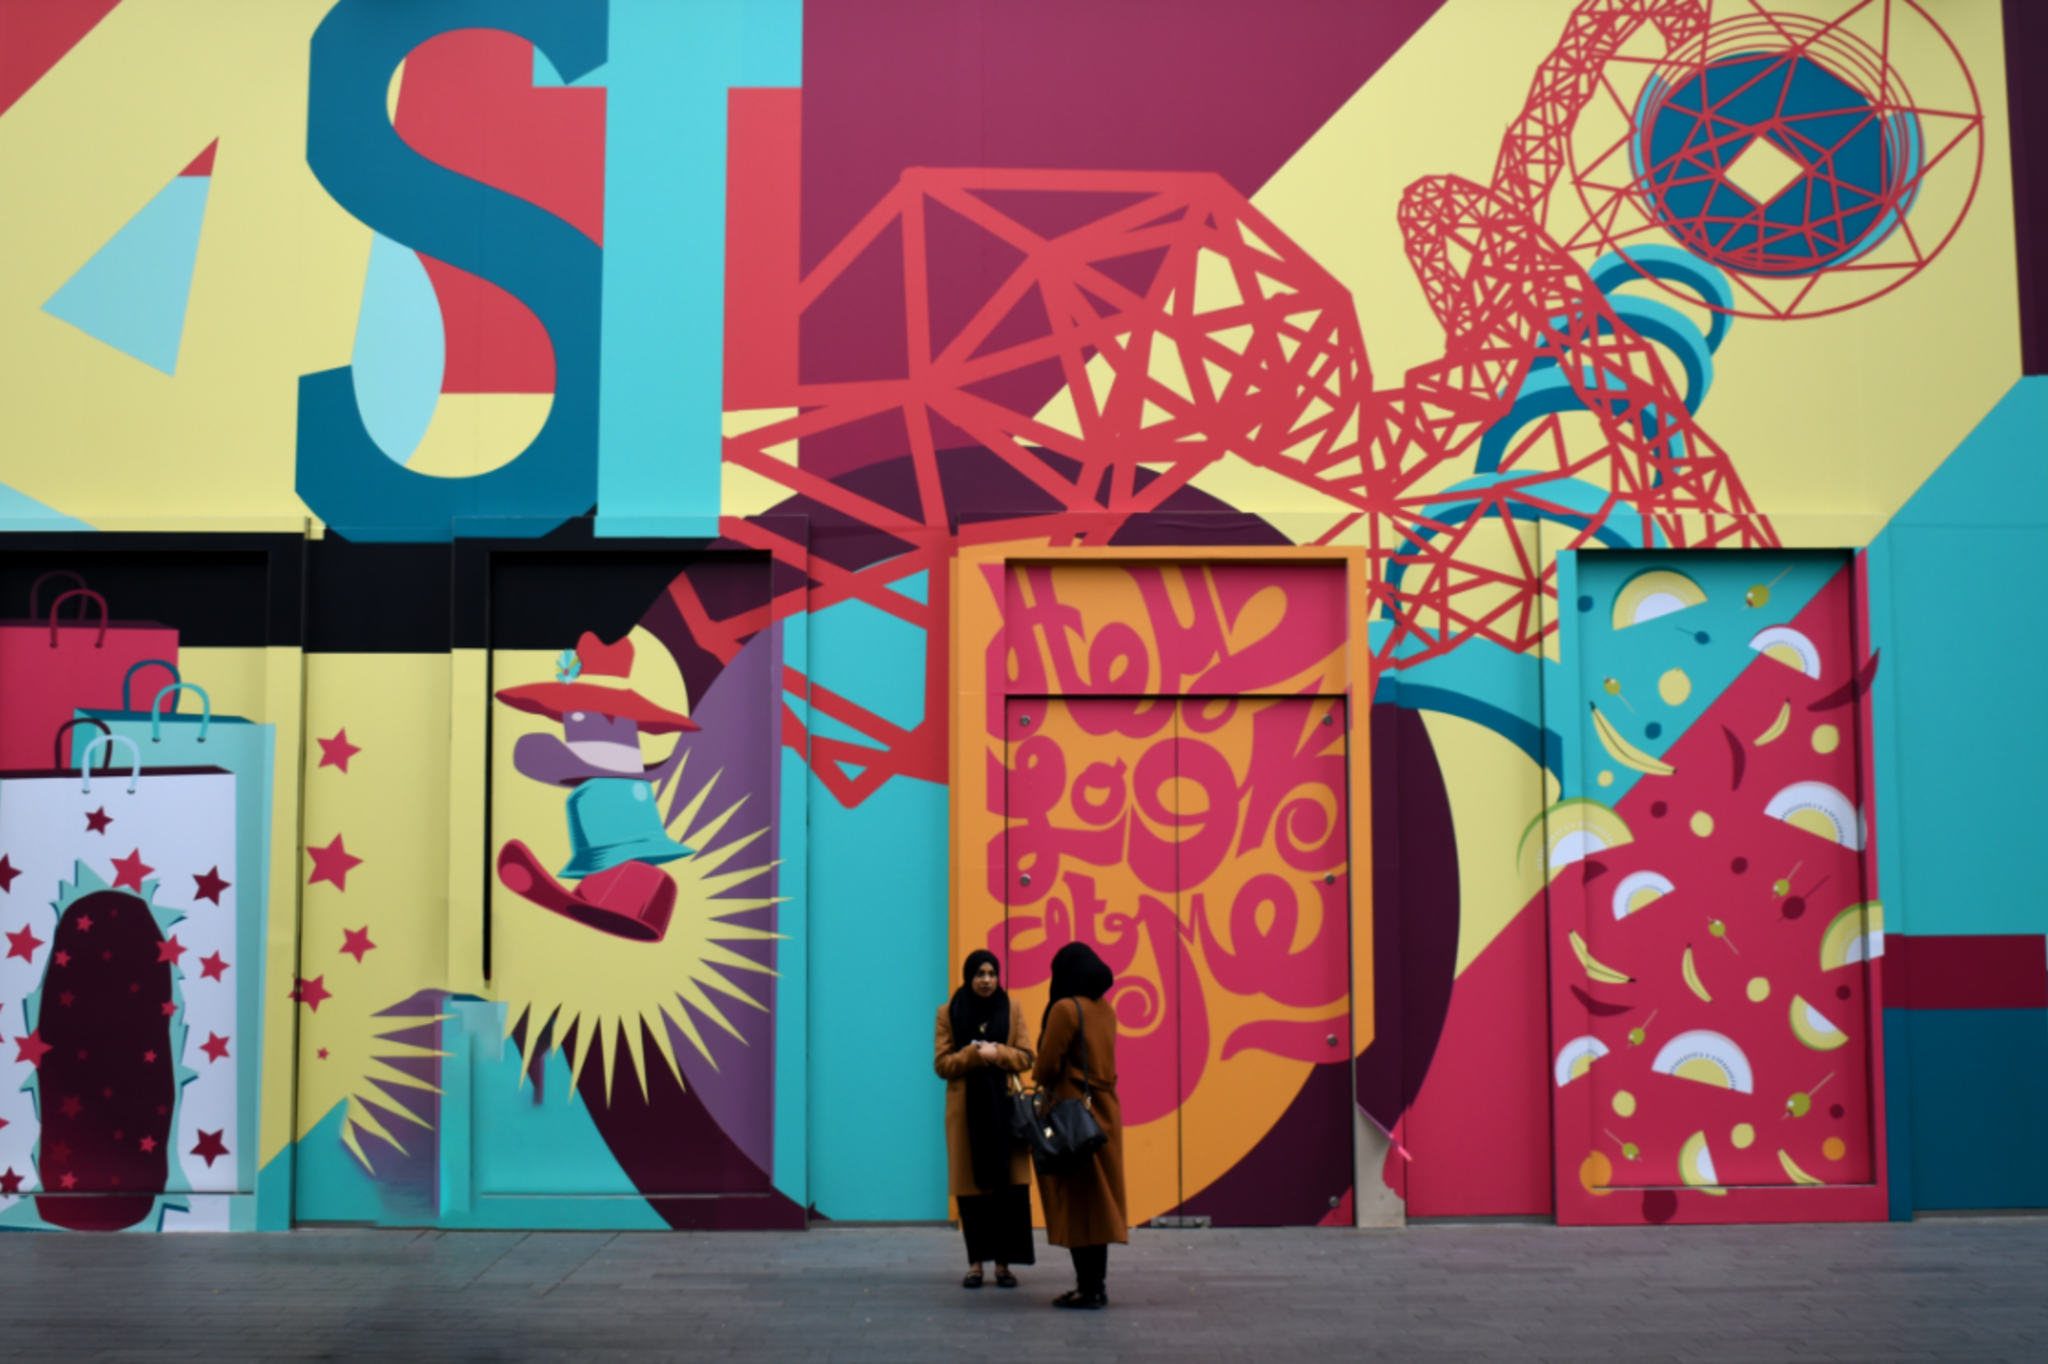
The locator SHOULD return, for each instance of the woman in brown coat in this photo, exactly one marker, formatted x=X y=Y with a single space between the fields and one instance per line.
x=983 y=1040
x=1084 y=1208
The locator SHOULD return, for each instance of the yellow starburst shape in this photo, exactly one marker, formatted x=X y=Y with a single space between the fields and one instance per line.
x=365 y=1053
x=559 y=977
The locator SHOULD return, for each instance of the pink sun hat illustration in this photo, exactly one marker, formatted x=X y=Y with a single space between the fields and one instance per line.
x=602 y=717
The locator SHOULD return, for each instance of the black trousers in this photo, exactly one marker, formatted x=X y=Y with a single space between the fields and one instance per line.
x=1091 y=1267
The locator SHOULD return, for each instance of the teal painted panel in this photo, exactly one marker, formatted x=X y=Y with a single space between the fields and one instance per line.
x=332 y=1184
x=879 y=972
x=672 y=62
x=1979 y=1106
x=1967 y=740
x=523 y=1141
x=1998 y=475
x=871 y=658
x=792 y=986
x=132 y=293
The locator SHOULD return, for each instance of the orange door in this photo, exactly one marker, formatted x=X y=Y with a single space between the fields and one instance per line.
x=1201 y=848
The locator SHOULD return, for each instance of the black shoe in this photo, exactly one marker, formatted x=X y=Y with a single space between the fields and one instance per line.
x=973 y=1279
x=1005 y=1279
x=1075 y=1298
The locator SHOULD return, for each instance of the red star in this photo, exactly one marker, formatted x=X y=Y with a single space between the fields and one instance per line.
x=67 y=999
x=97 y=821
x=24 y=944
x=332 y=863
x=129 y=871
x=212 y=967
x=210 y=886
x=170 y=951
x=169 y=1008
x=356 y=942
x=10 y=1183
x=32 y=1048
x=148 y=1145
x=210 y=1146
x=216 y=1046
x=337 y=751
x=8 y=871
x=84 y=922
x=61 y=1152
x=311 y=992
x=69 y=1181
x=149 y=1058
x=71 y=1107
x=62 y=958
x=323 y=1053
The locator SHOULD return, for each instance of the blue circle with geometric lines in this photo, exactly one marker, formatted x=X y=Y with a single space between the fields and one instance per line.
x=1771 y=164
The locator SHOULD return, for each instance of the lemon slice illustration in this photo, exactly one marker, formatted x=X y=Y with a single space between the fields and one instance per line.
x=1638 y=890
x=1576 y=1057
x=1783 y=644
x=1856 y=935
x=1810 y=1026
x=1707 y=1058
x=1820 y=810
x=1658 y=592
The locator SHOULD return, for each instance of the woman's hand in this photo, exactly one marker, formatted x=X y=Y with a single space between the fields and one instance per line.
x=987 y=1051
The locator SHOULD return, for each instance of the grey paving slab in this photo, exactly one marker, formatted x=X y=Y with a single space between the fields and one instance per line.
x=1952 y=1289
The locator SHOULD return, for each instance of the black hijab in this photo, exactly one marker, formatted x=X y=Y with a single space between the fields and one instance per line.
x=1077 y=973
x=975 y=1019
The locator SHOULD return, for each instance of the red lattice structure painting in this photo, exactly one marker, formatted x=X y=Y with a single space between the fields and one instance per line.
x=1131 y=347
x=1822 y=162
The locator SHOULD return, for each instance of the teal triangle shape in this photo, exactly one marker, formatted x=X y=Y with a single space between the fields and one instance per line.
x=131 y=295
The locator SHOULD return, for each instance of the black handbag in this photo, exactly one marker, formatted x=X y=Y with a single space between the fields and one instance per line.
x=1063 y=1133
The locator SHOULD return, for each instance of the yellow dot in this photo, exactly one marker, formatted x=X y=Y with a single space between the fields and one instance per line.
x=1607 y=779
x=1674 y=687
x=1742 y=1136
x=1826 y=739
x=1834 y=1148
x=1625 y=1103
x=1759 y=989
x=1702 y=823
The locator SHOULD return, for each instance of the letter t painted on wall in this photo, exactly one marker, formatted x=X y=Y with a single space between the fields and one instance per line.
x=672 y=62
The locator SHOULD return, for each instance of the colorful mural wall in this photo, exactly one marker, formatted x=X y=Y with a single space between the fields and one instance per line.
x=529 y=536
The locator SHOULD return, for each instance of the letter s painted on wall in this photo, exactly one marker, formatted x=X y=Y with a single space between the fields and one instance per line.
x=542 y=261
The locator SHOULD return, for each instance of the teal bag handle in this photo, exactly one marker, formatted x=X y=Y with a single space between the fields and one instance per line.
x=135 y=668
x=156 y=712
x=85 y=768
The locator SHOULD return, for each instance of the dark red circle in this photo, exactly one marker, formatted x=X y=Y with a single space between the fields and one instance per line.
x=1658 y=809
x=1795 y=905
x=1739 y=865
x=1842 y=992
x=1837 y=1111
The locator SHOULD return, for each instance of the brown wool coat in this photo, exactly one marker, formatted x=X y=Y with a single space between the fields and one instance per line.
x=1086 y=1206
x=952 y=1058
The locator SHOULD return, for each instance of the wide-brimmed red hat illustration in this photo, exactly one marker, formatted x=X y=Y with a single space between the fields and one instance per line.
x=602 y=718
x=591 y=681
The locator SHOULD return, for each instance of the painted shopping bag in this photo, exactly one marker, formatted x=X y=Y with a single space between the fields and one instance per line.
x=118 y=1084
x=171 y=738
x=51 y=666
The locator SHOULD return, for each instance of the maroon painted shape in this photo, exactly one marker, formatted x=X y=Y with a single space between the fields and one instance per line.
x=108 y=1084
x=1973 y=971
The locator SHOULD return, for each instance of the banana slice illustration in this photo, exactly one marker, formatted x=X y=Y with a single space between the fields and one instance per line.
x=1594 y=967
x=1692 y=978
x=1777 y=726
x=1624 y=752
x=1798 y=1175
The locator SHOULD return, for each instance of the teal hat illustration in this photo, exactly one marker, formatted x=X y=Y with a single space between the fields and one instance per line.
x=613 y=821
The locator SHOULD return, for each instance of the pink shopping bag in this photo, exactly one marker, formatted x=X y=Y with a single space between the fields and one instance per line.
x=51 y=668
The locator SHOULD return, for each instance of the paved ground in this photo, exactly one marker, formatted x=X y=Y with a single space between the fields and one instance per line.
x=1938 y=1289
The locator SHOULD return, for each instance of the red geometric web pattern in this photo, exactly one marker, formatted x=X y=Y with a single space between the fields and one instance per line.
x=1183 y=329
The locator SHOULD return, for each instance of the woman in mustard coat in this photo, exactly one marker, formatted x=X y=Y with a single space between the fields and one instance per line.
x=982 y=1041
x=1084 y=1208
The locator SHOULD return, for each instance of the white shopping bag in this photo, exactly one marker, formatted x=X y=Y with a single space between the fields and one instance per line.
x=118 y=1021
